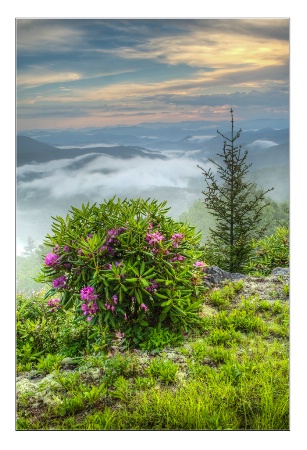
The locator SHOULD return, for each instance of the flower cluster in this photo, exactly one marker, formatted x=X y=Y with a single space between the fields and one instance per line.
x=112 y=233
x=199 y=264
x=59 y=282
x=178 y=258
x=177 y=238
x=54 y=303
x=154 y=285
x=51 y=259
x=112 y=304
x=89 y=307
x=153 y=238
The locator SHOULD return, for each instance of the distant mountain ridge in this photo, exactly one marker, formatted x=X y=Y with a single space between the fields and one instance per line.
x=30 y=151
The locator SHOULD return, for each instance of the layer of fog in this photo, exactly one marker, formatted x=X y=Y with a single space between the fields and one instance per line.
x=50 y=189
x=260 y=144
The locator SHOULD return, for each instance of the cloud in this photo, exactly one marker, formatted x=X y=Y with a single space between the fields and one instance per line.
x=219 y=49
x=106 y=176
x=57 y=186
x=260 y=144
x=107 y=72
x=37 y=77
x=53 y=36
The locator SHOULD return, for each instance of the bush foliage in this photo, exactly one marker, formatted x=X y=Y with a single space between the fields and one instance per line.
x=124 y=265
x=269 y=252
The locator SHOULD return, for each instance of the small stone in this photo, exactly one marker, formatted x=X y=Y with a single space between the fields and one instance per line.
x=280 y=271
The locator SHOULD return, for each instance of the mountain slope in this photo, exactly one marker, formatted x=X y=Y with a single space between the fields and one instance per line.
x=30 y=151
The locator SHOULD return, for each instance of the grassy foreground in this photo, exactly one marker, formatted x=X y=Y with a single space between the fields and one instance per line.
x=229 y=373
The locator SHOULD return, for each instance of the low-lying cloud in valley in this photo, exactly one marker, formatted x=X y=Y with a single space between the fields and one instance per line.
x=49 y=189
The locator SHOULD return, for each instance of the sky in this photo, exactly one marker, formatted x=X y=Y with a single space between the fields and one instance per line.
x=76 y=73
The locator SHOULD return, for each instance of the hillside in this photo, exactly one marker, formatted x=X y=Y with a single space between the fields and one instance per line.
x=30 y=151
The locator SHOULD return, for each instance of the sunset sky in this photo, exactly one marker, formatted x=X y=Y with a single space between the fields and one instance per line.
x=92 y=72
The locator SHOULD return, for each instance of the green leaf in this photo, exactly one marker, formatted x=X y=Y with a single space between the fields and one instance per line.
x=49 y=293
x=161 y=295
x=167 y=303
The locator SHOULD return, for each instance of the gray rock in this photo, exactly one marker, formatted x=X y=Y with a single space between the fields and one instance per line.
x=280 y=271
x=215 y=275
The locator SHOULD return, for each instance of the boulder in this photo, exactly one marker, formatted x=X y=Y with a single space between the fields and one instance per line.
x=215 y=275
x=280 y=271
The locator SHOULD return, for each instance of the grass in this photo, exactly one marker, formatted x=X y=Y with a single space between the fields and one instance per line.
x=230 y=373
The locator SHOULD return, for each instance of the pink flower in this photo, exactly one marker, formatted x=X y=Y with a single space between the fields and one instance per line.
x=87 y=293
x=143 y=306
x=199 y=264
x=54 y=303
x=59 y=282
x=178 y=258
x=176 y=238
x=51 y=259
x=153 y=238
x=89 y=307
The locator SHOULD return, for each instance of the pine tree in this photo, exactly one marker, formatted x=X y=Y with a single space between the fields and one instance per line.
x=236 y=204
x=29 y=248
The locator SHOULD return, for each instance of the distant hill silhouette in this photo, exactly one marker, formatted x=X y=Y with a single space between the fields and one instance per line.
x=30 y=151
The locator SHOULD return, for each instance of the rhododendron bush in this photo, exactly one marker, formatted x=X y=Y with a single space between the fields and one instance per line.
x=124 y=265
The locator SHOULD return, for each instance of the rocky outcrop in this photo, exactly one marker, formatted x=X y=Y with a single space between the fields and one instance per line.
x=215 y=275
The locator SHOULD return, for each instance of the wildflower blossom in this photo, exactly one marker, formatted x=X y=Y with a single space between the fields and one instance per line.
x=153 y=238
x=154 y=285
x=199 y=264
x=115 y=298
x=54 y=303
x=177 y=238
x=59 y=282
x=51 y=259
x=143 y=306
x=89 y=309
x=178 y=258
x=87 y=293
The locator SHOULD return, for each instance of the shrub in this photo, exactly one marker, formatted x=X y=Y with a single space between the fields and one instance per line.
x=124 y=265
x=269 y=252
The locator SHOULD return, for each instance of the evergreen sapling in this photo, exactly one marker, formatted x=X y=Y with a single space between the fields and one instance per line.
x=236 y=205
